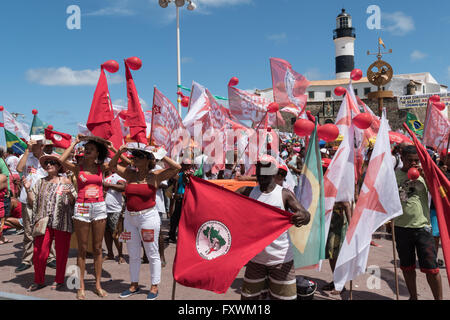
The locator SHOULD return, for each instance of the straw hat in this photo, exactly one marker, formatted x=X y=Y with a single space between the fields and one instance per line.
x=55 y=157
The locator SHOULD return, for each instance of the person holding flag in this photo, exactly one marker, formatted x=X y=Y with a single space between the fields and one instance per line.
x=272 y=269
x=413 y=228
x=142 y=221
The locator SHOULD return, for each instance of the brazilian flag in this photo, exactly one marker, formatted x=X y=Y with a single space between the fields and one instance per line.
x=38 y=126
x=309 y=241
x=414 y=124
x=14 y=142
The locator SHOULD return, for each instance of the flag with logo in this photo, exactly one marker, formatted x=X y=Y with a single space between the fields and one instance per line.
x=165 y=121
x=38 y=126
x=439 y=187
x=17 y=128
x=14 y=142
x=378 y=202
x=59 y=139
x=309 y=241
x=135 y=118
x=101 y=114
x=414 y=124
x=289 y=87
x=214 y=245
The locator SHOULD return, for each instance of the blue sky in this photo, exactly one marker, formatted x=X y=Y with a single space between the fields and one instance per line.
x=53 y=69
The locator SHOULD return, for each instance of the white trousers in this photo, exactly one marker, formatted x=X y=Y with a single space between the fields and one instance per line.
x=144 y=226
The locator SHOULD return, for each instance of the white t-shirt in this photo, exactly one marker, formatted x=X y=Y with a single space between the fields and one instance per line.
x=113 y=198
x=11 y=162
x=32 y=171
x=280 y=250
x=160 y=206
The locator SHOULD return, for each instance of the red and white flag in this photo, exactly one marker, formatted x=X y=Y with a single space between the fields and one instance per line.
x=214 y=245
x=165 y=121
x=347 y=111
x=289 y=87
x=59 y=139
x=378 y=203
x=135 y=119
x=437 y=128
x=247 y=106
x=339 y=179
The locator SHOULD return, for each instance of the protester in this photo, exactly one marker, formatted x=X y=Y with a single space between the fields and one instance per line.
x=177 y=200
x=113 y=187
x=48 y=146
x=15 y=219
x=161 y=207
x=3 y=192
x=90 y=207
x=52 y=198
x=413 y=229
x=276 y=261
x=142 y=220
x=31 y=170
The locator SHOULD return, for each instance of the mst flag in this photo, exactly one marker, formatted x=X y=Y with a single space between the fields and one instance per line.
x=289 y=87
x=309 y=241
x=213 y=245
x=14 y=142
x=439 y=187
x=101 y=114
x=437 y=128
x=414 y=124
x=59 y=139
x=378 y=203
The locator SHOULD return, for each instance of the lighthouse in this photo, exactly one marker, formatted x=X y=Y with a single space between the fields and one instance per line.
x=344 y=41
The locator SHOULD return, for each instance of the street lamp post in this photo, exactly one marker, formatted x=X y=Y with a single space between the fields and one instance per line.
x=178 y=4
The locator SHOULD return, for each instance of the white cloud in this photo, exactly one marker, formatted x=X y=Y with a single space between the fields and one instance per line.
x=123 y=104
x=64 y=76
x=417 y=55
x=112 y=11
x=221 y=3
x=399 y=24
x=313 y=74
x=277 y=37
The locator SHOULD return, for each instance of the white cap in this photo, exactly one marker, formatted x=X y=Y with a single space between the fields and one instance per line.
x=37 y=137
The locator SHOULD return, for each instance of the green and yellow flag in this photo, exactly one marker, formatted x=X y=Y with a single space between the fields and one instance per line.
x=414 y=124
x=38 y=126
x=309 y=241
x=14 y=142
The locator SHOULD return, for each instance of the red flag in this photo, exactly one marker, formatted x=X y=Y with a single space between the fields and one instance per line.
x=135 y=116
x=289 y=87
x=213 y=245
x=101 y=114
x=439 y=188
x=437 y=128
x=59 y=139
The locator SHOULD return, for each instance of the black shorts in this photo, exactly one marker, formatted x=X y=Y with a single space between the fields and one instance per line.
x=410 y=240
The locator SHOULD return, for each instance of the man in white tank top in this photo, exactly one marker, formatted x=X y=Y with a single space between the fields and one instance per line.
x=272 y=270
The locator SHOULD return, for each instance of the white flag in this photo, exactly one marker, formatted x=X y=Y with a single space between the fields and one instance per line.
x=378 y=203
x=16 y=127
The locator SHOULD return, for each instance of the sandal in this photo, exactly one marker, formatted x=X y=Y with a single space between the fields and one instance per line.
x=35 y=287
x=57 y=286
x=101 y=293
x=81 y=295
x=6 y=241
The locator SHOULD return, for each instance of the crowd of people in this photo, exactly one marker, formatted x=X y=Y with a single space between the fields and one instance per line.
x=92 y=192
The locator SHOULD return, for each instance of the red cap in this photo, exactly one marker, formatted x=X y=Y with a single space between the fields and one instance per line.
x=283 y=167
x=326 y=162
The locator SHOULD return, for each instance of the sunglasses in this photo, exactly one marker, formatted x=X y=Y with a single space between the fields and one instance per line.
x=51 y=162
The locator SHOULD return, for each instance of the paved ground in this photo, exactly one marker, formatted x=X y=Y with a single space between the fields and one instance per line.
x=115 y=278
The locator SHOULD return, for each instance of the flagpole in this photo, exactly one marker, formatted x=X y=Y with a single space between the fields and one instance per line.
x=351 y=289
x=174 y=285
x=395 y=258
x=153 y=115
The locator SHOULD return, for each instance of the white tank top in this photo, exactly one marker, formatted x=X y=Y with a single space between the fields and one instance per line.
x=280 y=250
